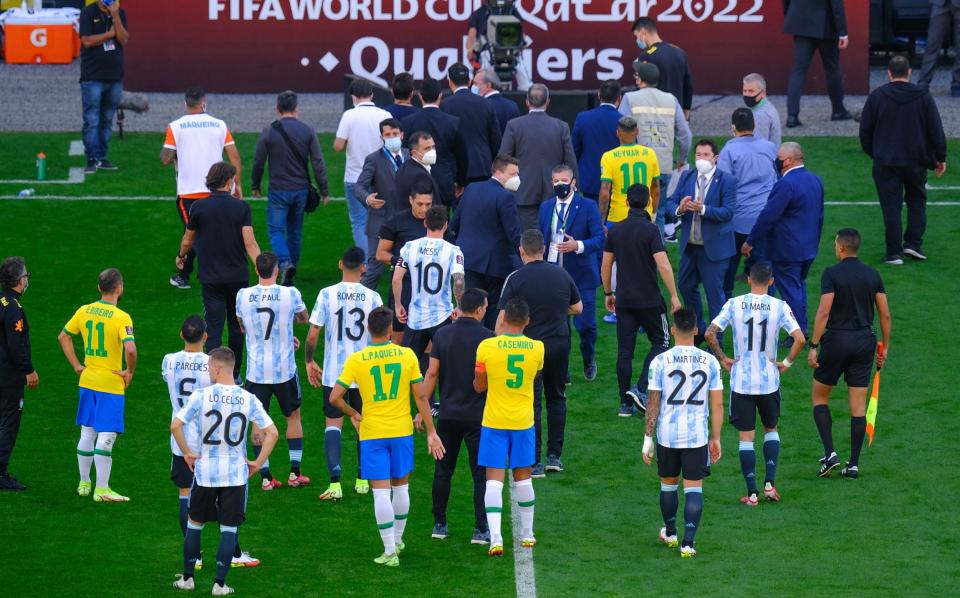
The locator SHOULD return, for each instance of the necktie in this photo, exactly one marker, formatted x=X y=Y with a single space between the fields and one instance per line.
x=397 y=161
x=560 y=216
x=696 y=234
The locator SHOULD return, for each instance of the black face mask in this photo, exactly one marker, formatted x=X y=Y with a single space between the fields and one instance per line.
x=778 y=165
x=562 y=190
x=751 y=101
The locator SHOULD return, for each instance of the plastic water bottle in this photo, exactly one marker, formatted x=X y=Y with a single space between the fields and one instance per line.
x=27 y=193
x=41 y=166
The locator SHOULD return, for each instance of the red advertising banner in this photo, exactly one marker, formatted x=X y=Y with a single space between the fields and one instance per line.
x=309 y=45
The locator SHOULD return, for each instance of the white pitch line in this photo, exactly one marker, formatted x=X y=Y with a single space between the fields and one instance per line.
x=75 y=176
x=523 y=570
x=118 y=197
x=877 y=204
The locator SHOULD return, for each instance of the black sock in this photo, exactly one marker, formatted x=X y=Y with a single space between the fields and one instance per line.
x=858 y=429
x=184 y=501
x=359 y=473
x=237 y=553
x=228 y=542
x=669 y=502
x=331 y=448
x=748 y=465
x=191 y=550
x=692 y=510
x=821 y=416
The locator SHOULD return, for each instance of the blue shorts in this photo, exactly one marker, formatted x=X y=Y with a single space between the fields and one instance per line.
x=101 y=411
x=386 y=458
x=497 y=447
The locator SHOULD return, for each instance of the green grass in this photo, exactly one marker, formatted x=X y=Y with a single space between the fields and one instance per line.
x=892 y=531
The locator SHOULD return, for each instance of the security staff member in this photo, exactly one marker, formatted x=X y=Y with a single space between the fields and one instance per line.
x=452 y=360
x=16 y=369
x=552 y=296
x=844 y=326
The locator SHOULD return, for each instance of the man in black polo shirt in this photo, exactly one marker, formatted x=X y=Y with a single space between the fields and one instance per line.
x=844 y=326
x=221 y=228
x=635 y=246
x=405 y=225
x=670 y=59
x=452 y=361
x=552 y=296
x=103 y=36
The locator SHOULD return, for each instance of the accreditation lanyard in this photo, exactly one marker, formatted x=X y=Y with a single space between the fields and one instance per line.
x=559 y=228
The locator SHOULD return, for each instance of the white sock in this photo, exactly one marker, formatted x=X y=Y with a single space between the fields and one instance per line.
x=88 y=437
x=103 y=457
x=525 y=500
x=383 y=510
x=401 y=508
x=669 y=228
x=493 y=501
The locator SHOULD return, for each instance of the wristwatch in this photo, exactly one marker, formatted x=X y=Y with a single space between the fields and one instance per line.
x=813 y=345
x=606 y=294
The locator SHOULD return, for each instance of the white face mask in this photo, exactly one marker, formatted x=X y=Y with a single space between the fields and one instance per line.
x=513 y=183
x=704 y=166
x=429 y=157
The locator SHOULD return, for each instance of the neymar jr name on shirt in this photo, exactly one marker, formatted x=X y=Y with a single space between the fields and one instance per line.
x=701 y=359
x=368 y=355
x=514 y=344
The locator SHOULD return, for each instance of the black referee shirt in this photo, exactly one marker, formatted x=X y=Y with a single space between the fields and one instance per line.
x=633 y=243
x=854 y=286
x=403 y=227
x=218 y=222
x=15 y=361
x=549 y=291
x=674 y=72
x=455 y=346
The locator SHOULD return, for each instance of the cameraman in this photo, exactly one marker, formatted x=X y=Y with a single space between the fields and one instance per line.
x=477 y=28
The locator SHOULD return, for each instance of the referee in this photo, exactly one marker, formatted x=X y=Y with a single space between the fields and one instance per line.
x=452 y=360
x=552 y=296
x=16 y=369
x=844 y=326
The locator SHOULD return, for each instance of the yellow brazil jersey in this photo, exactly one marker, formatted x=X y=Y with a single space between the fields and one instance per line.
x=104 y=328
x=625 y=166
x=511 y=362
x=383 y=373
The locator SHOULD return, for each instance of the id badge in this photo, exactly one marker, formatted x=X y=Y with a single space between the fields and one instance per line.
x=553 y=255
x=109 y=45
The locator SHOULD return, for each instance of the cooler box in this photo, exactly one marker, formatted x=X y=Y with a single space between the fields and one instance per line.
x=42 y=37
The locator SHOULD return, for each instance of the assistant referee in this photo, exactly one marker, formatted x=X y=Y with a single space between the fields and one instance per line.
x=844 y=327
x=16 y=368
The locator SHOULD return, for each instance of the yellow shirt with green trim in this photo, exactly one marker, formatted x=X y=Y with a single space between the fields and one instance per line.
x=511 y=362
x=383 y=373
x=104 y=328
x=625 y=166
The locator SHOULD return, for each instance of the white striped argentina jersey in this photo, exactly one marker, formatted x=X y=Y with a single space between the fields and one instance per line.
x=267 y=313
x=756 y=321
x=185 y=372
x=685 y=376
x=224 y=413
x=432 y=263
x=342 y=310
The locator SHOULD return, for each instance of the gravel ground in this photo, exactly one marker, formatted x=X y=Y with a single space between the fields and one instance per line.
x=46 y=98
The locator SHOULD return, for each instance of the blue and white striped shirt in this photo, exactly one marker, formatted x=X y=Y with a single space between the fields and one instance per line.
x=685 y=376
x=184 y=373
x=267 y=314
x=342 y=310
x=432 y=263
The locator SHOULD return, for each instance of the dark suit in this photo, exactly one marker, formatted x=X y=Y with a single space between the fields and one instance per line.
x=378 y=176
x=539 y=142
x=582 y=222
x=706 y=264
x=594 y=132
x=505 y=108
x=816 y=25
x=788 y=229
x=488 y=233
x=409 y=174
x=479 y=129
x=451 y=163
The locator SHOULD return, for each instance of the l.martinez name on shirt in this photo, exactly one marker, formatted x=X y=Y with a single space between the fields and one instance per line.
x=701 y=359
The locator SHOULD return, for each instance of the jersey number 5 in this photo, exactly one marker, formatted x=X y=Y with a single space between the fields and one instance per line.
x=682 y=379
x=514 y=368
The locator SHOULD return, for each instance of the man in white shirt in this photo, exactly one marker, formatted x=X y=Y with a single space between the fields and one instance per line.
x=359 y=134
x=195 y=142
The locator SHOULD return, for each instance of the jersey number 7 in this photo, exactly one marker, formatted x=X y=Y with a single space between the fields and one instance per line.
x=272 y=317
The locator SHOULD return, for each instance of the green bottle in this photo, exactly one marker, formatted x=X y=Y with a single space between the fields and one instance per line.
x=41 y=166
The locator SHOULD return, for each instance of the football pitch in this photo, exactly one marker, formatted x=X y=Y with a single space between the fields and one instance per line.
x=893 y=531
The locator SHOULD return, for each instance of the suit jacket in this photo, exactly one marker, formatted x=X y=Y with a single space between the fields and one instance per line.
x=408 y=175
x=819 y=19
x=487 y=228
x=479 y=129
x=716 y=224
x=594 y=132
x=583 y=224
x=789 y=227
x=451 y=166
x=507 y=109
x=379 y=175
x=539 y=142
